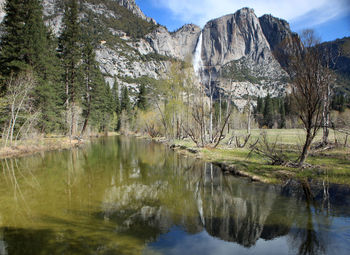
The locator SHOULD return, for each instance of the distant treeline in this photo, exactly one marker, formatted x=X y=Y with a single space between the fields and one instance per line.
x=280 y=112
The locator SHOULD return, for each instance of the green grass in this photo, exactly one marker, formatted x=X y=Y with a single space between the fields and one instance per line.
x=294 y=137
x=331 y=165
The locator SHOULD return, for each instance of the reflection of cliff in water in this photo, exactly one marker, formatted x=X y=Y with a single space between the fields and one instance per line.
x=198 y=196
x=234 y=212
x=128 y=191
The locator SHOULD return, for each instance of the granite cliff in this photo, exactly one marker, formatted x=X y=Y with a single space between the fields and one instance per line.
x=238 y=52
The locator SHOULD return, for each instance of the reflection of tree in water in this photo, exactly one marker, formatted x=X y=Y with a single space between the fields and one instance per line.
x=21 y=241
x=228 y=208
x=309 y=235
x=191 y=194
x=16 y=175
x=146 y=189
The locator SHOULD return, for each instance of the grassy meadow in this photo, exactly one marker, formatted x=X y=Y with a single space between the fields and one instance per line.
x=331 y=165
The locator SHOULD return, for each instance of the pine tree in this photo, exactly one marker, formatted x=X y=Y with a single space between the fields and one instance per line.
x=339 y=103
x=49 y=92
x=89 y=71
x=24 y=43
x=142 y=98
x=259 y=105
x=13 y=41
x=107 y=107
x=282 y=112
x=287 y=105
x=115 y=95
x=125 y=100
x=71 y=55
x=101 y=104
x=268 y=112
x=27 y=45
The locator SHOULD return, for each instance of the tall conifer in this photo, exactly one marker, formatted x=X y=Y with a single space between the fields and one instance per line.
x=27 y=45
x=71 y=55
x=268 y=111
x=141 y=98
x=125 y=100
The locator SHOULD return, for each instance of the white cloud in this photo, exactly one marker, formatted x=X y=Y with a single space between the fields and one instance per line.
x=200 y=11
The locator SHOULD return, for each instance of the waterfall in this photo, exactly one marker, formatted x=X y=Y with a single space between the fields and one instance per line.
x=197 y=60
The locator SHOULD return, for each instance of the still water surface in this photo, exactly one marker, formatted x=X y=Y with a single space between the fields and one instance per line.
x=127 y=196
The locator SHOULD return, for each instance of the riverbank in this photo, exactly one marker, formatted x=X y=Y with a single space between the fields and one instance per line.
x=331 y=165
x=29 y=147
x=41 y=144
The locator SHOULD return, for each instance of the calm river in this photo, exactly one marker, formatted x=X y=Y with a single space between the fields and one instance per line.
x=123 y=195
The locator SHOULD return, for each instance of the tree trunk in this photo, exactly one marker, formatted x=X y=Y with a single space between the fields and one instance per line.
x=248 y=129
x=211 y=119
x=325 y=116
x=67 y=96
x=73 y=124
x=249 y=117
x=86 y=120
x=211 y=109
x=220 y=111
x=88 y=98
x=72 y=127
x=306 y=148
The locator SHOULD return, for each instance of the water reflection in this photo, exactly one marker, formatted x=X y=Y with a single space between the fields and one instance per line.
x=129 y=196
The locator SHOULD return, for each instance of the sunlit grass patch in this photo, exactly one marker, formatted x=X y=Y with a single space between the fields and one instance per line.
x=333 y=165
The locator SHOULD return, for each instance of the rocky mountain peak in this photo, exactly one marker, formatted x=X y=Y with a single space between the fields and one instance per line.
x=234 y=36
x=179 y=44
x=282 y=40
x=245 y=50
x=187 y=28
x=245 y=11
x=278 y=23
x=236 y=52
x=135 y=9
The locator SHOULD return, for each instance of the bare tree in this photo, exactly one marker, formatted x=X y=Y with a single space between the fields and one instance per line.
x=202 y=112
x=310 y=82
x=249 y=111
x=196 y=127
x=18 y=102
x=330 y=59
x=342 y=125
x=271 y=151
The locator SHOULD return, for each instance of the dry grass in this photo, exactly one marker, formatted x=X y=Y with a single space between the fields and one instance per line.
x=32 y=146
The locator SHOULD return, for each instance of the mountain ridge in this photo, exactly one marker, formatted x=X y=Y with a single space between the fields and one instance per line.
x=238 y=48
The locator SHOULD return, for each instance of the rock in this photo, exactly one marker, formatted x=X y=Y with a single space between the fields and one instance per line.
x=191 y=150
x=135 y=9
x=235 y=41
x=241 y=53
x=283 y=42
x=234 y=36
x=235 y=48
x=180 y=44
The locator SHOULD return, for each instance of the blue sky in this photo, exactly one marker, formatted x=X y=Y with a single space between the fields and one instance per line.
x=329 y=18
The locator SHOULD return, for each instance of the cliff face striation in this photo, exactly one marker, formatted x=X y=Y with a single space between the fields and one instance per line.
x=238 y=56
x=283 y=42
x=179 y=44
x=234 y=36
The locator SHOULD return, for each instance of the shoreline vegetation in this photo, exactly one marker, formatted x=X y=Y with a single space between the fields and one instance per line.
x=331 y=165
x=42 y=144
x=33 y=146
